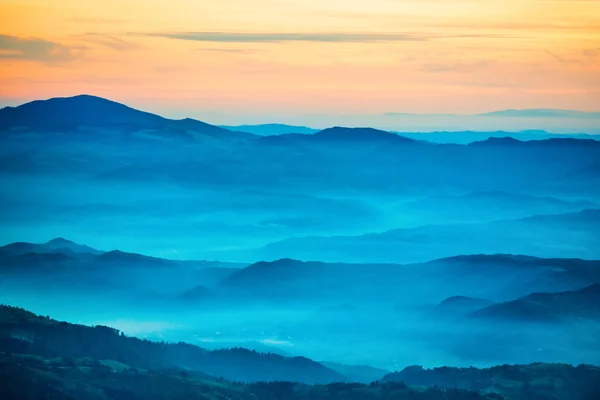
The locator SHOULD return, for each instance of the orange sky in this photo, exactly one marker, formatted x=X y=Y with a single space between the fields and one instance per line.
x=274 y=57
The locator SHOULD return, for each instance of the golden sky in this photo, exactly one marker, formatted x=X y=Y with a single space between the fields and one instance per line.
x=275 y=57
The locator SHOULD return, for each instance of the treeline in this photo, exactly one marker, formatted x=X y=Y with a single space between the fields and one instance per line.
x=33 y=378
x=44 y=358
x=538 y=381
x=23 y=332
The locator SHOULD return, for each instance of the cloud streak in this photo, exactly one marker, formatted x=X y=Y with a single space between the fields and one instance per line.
x=109 y=41
x=34 y=49
x=235 y=37
x=348 y=37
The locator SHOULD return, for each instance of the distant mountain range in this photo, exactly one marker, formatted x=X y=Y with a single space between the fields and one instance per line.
x=505 y=277
x=271 y=129
x=84 y=113
x=559 y=235
x=513 y=113
x=288 y=280
x=61 y=265
x=234 y=192
x=540 y=113
x=459 y=137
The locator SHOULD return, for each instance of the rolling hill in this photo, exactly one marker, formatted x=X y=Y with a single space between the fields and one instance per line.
x=552 y=307
x=517 y=382
x=571 y=235
x=492 y=276
x=84 y=111
x=25 y=333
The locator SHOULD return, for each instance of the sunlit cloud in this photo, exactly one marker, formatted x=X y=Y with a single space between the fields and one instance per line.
x=34 y=49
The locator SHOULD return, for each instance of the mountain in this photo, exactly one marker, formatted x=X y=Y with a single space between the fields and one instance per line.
x=571 y=235
x=514 y=113
x=516 y=382
x=85 y=111
x=294 y=163
x=25 y=333
x=124 y=258
x=466 y=137
x=213 y=270
x=31 y=378
x=458 y=137
x=41 y=358
x=582 y=303
x=499 y=276
x=61 y=243
x=506 y=276
x=540 y=113
x=339 y=136
x=271 y=129
x=63 y=268
x=359 y=134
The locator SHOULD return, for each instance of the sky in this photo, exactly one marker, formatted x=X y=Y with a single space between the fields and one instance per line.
x=302 y=57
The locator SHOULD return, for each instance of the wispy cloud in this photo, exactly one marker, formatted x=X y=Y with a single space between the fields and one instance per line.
x=34 y=49
x=315 y=37
x=110 y=41
x=240 y=37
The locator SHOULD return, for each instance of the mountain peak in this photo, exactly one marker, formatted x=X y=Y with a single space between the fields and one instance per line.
x=360 y=134
x=60 y=241
x=506 y=140
x=69 y=114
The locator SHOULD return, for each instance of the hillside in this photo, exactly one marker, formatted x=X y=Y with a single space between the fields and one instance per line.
x=495 y=277
x=25 y=333
x=32 y=378
x=516 y=382
x=84 y=111
x=41 y=357
x=553 y=307
x=64 y=268
x=571 y=235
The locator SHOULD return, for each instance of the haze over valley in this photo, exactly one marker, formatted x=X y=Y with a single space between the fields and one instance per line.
x=362 y=250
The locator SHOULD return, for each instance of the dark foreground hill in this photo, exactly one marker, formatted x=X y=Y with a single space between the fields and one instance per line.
x=44 y=358
x=517 y=382
x=32 y=378
x=23 y=332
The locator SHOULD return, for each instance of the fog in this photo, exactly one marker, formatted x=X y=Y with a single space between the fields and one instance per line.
x=312 y=246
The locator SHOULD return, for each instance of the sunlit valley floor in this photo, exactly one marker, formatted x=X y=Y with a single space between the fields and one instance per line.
x=360 y=251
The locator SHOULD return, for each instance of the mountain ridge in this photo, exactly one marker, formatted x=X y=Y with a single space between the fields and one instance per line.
x=62 y=114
